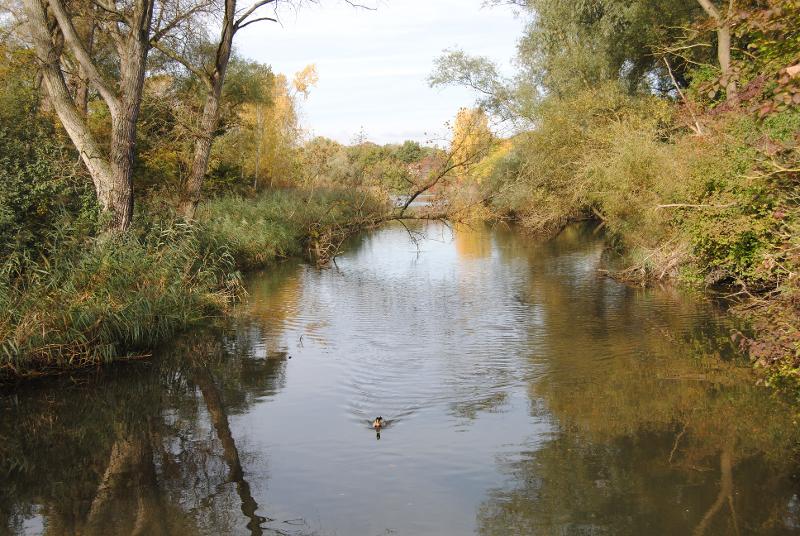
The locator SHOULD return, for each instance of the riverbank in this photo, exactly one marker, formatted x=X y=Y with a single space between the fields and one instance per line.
x=683 y=143
x=701 y=198
x=87 y=301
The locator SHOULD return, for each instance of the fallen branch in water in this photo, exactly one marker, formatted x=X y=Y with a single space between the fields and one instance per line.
x=686 y=205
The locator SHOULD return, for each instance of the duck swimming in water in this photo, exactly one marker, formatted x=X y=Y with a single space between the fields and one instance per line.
x=378 y=423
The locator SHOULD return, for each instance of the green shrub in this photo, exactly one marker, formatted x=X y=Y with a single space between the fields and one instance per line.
x=743 y=237
x=280 y=222
x=41 y=185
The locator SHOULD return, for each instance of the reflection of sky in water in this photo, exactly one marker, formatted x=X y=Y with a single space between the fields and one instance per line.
x=445 y=338
x=430 y=338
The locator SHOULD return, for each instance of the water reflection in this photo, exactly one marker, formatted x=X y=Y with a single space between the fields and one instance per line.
x=472 y=241
x=657 y=429
x=142 y=449
x=524 y=392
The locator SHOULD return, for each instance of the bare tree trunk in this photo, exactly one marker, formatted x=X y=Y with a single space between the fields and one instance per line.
x=214 y=82
x=202 y=152
x=210 y=118
x=86 y=33
x=724 y=57
x=112 y=172
x=82 y=93
x=133 y=62
x=61 y=100
x=723 y=42
x=259 y=143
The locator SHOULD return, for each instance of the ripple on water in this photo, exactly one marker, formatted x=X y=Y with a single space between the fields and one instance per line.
x=524 y=394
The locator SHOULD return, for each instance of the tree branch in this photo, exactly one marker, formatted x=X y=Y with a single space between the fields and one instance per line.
x=82 y=56
x=248 y=23
x=60 y=97
x=698 y=128
x=179 y=18
x=249 y=11
x=685 y=205
x=709 y=7
x=171 y=54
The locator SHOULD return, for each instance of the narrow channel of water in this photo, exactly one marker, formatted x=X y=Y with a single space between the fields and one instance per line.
x=524 y=394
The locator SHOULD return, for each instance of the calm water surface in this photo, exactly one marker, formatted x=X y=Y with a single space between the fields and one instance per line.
x=525 y=394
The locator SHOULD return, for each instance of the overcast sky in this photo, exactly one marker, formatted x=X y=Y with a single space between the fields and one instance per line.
x=373 y=65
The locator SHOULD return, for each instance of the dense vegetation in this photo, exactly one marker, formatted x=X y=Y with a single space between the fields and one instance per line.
x=76 y=289
x=674 y=123
x=141 y=172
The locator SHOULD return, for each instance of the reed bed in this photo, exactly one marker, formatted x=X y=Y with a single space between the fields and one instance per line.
x=83 y=301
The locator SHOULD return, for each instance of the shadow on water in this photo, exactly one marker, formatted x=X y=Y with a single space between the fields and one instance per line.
x=524 y=393
x=139 y=449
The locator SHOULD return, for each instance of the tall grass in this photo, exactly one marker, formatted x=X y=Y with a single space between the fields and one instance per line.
x=96 y=300
x=84 y=301
x=284 y=223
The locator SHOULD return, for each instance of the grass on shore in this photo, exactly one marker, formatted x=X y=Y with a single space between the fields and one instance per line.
x=87 y=301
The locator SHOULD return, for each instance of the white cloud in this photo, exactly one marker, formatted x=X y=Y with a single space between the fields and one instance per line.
x=373 y=65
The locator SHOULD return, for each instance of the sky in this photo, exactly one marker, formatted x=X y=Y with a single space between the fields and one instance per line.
x=373 y=65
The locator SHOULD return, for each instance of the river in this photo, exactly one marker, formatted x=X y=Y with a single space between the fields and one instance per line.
x=524 y=393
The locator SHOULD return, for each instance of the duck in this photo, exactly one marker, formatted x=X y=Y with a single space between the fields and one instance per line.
x=378 y=423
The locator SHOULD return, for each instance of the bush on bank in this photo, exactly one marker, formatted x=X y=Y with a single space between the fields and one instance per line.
x=718 y=209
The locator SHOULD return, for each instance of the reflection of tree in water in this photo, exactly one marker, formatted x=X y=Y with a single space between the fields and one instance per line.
x=472 y=241
x=625 y=486
x=655 y=456
x=655 y=433
x=275 y=298
x=145 y=449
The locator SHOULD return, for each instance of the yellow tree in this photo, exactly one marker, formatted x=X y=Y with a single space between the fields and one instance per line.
x=471 y=141
x=275 y=130
x=305 y=79
x=471 y=138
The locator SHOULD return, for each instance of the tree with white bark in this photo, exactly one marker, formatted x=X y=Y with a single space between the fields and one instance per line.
x=59 y=48
x=722 y=22
x=63 y=34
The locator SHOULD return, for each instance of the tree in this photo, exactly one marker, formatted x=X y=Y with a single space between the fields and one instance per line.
x=723 y=29
x=120 y=87
x=305 y=79
x=274 y=130
x=480 y=74
x=471 y=136
x=571 y=46
x=37 y=176
x=212 y=75
x=579 y=46
x=470 y=142
x=409 y=152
